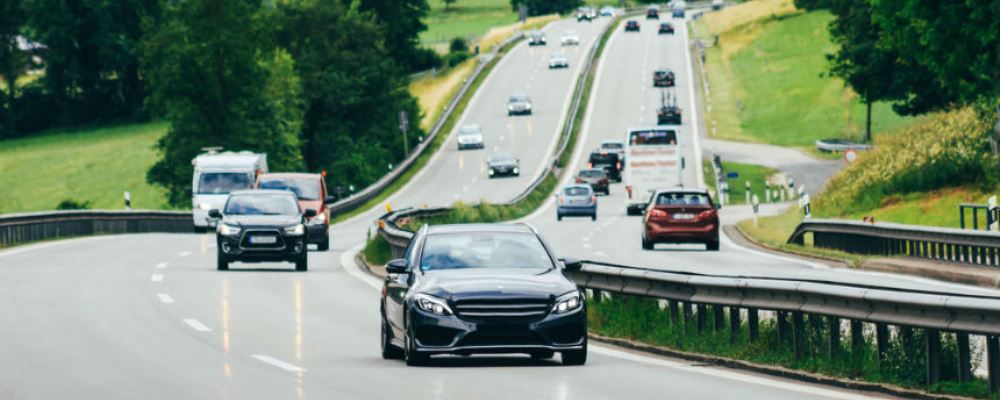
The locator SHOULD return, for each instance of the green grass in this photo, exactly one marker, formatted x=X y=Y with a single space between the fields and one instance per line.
x=642 y=319
x=769 y=84
x=774 y=231
x=94 y=165
x=465 y=19
x=377 y=251
x=936 y=208
x=755 y=174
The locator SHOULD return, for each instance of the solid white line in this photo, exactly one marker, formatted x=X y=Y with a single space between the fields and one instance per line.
x=727 y=374
x=347 y=261
x=197 y=325
x=165 y=298
x=44 y=245
x=161 y=265
x=696 y=144
x=184 y=254
x=156 y=278
x=278 y=363
x=600 y=254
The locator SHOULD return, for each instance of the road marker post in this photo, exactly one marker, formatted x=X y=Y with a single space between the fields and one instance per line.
x=128 y=201
x=756 y=209
x=767 y=192
x=806 y=206
x=991 y=215
x=747 y=192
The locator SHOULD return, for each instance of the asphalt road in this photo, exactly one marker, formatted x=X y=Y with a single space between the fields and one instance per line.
x=147 y=316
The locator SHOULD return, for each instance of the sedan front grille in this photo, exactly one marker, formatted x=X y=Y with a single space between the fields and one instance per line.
x=503 y=309
x=272 y=240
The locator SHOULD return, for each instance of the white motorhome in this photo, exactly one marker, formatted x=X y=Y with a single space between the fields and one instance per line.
x=215 y=175
x=653 y=161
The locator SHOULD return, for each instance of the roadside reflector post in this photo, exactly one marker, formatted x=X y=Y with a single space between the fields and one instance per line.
x=807 y=208
x=767 y=192
x=991 y=214
x=128 y=201
x=747 y=192
x=756 y=209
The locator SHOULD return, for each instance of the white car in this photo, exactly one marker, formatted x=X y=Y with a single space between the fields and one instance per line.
x=570 y=38
x=558 y=60
x=607 y=11
x=470 y=137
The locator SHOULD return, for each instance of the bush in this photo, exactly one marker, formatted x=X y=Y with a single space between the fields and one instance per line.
x=458 y=44
x=456 y=58
x=425 y=59
x=947 y=149
x=70 y=204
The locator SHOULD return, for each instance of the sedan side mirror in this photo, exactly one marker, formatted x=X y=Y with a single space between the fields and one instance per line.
x=397 y=266
x=329 y=200
x=309 y=213
x=572 y=264
x=215 y=213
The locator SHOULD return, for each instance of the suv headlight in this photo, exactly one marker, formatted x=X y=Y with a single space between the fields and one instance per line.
x=432 y=304
x=566 y=303
x=229 y=230
x=318 y=219
x=204 y=206
x=295 y=230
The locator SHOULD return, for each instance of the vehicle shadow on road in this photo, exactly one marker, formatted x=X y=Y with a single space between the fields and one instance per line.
x=289 y=270
x=489 y=362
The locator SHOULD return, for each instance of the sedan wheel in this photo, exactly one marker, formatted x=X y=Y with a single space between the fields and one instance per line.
x=413 y=358
x=389 y=351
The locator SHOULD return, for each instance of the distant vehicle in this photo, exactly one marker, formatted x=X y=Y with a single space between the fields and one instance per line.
x=558 y=60
x=519 y=104
x=261 y=226
x=536 y=38
x=503 y=164
x=679 y=8
x=668 y=113
x=609 y=161
x=666 y=28
x=607 y=11
x=654 y=163
x=215 y=176
x=470 y=137
x=482 y=288
x=718 y=4
x=576 y=201
x=653 y=12
x=585 y=14
x=631 y=26
x=681 y=216
x=570 y=38
x=310 y=189
x=663 y=78
x=614 y=146
x=597 y=178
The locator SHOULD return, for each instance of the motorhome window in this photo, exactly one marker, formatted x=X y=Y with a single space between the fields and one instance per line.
x=304 y=189
x=224 y=182
x=653 y=137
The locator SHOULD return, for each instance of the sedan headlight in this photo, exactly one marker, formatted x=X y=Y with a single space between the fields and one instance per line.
x=204 y=206
x=517 y=170
x=567 y=302
x=295 y=230
x=229 y=230
x=432 y=304
x=318 y=219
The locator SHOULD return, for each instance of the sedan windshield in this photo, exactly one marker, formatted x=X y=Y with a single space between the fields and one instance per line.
x=304 y=188
x=502 y=157
x=483 y=250
x=224 y=182
x=262 y=205
x=518 y=99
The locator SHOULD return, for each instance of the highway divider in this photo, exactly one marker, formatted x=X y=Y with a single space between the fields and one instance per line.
x=24 y=228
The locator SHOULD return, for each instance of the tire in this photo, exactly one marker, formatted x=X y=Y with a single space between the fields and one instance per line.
x=593 y=217
x=413 y=358
x=324 y=245
x=607 y=192
x=302 y=263
x=646 y=244
x=575 y=357
x=223 y=263
x=389 y=350
x=558 y=217
x=712 y=246
x=544 y=355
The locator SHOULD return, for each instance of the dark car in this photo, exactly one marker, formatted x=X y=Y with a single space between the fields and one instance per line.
x=666 y=28
x=668 y=113
x=503 y=164
x=631 y=26
x=597 y=178
x=679 y=13
x=536 y=38
x=262 y=226
x=481 y=288
x=609 y=162
x=681 y=216
x=652 y=13
x=310 y=189
x=519 y=104
x=663 y=78
x=585 y=14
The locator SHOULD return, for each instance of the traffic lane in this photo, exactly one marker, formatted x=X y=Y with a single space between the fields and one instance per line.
x=461 y=175
x=93 y=325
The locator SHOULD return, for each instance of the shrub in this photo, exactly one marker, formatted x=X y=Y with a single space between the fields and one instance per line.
x=458 y=45
x=456 y=58
x=70 y=204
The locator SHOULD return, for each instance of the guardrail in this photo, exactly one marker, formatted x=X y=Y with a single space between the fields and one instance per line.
x=376 y=188
x=944 y=244
x=840 y=145
x=32 y=227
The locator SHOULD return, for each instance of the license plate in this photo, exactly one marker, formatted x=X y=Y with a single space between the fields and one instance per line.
x=263 y=239
x=683 y=216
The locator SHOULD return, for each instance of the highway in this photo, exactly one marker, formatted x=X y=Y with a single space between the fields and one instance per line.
x=148 y=316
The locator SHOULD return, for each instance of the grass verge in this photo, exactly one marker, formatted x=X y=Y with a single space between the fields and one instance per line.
x=645 y=320
x=756 y=175
x=93 y=167
x=773 y=232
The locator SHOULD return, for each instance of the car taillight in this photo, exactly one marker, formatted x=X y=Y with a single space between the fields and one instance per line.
x=579 y=180
x=628 y=188
x=593 y=199
x=657 y=213
x=707 y=214
x=619 y=165
x=562 y=200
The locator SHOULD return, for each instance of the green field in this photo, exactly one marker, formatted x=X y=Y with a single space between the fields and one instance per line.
x=769 y=84
x=755 y=174
x=95 y=166
x=465 y=19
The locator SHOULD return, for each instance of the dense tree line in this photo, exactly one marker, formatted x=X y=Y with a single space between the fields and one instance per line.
x=543 y=7
x=314 y=84
x=922 y=56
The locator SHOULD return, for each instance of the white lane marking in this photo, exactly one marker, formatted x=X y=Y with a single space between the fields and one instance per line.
x=165 y=298
x=277 y=363
x=39 y=246
x=184 y=254
x=156 y=278
x=586 y=245
x=465 y=188
x=162 y=265
x=600 y=254
x=197 y=325
x=347 y=261
x=696 y=144
x=726 y=374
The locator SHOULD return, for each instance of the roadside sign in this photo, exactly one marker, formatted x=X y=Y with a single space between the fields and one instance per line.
x=733 y=175
x=850 y=156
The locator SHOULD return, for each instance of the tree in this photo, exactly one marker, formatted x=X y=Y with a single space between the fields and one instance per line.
x=447 y=4
x=215 y=76
x=352 y=88
x=543 y=7
x=402 y=21
x=13 y=61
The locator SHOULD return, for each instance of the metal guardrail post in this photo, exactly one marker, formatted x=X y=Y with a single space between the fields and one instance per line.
x=933 y=341
x=720 y=317
x=833 y=346
x=993 y=362
x=857 y=336
x=675 y=318
x=782 y=322
x=734 y=324
x=798 y=334
x=964 y=357
x=753 y=324
x=687 y=317
x=702 y=316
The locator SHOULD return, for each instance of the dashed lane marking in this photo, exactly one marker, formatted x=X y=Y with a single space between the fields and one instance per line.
x=197 y=325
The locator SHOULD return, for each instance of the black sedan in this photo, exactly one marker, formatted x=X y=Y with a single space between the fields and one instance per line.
x=262 y=226
x=501 y=164
x=666 y=28
x=663 y=78
x=631 y=26
x=597 y=178
x=482 y=288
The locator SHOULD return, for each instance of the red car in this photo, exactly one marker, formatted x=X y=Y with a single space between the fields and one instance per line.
x=681 y=216
x=310 y=189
